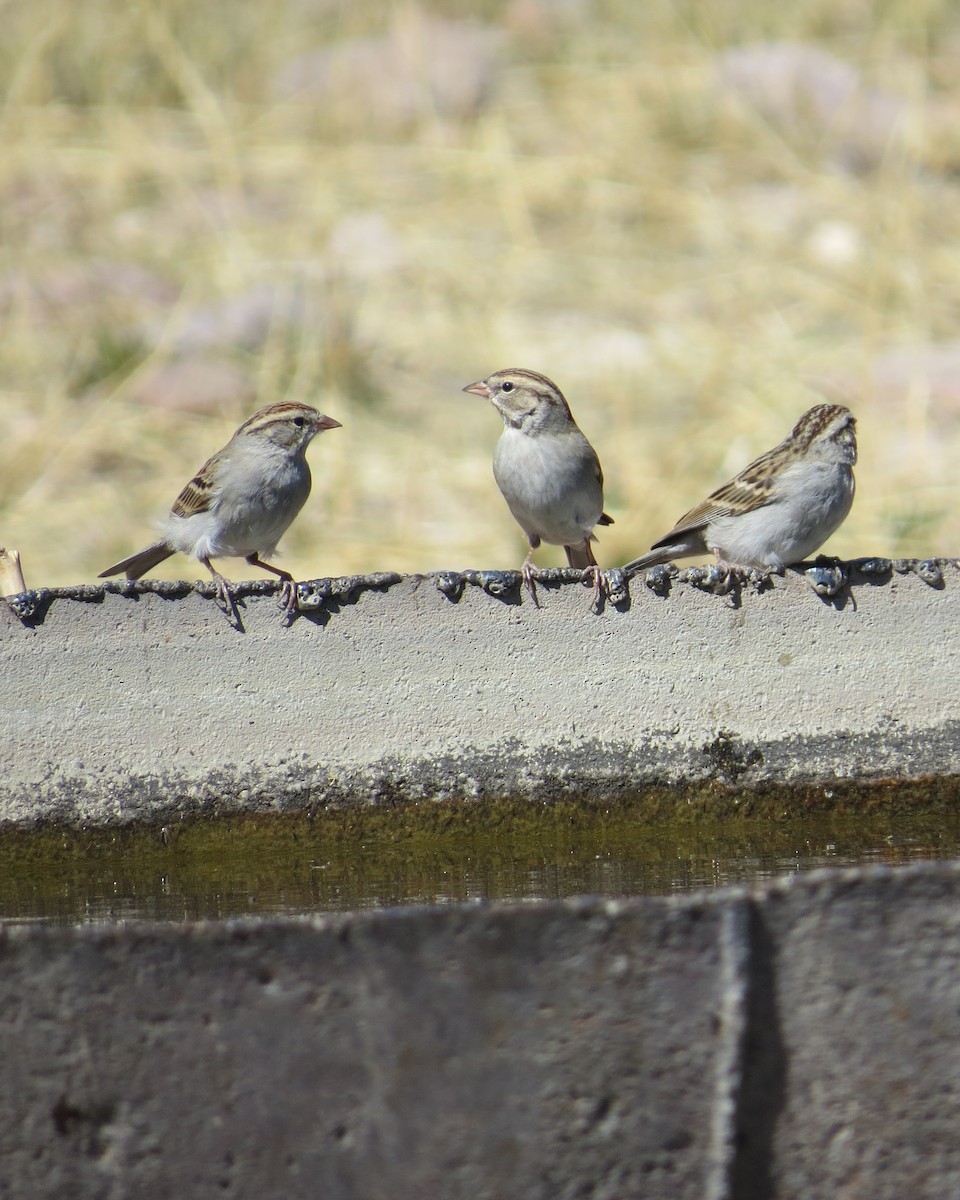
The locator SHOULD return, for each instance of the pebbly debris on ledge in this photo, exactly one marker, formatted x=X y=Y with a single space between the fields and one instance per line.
x=828 y=577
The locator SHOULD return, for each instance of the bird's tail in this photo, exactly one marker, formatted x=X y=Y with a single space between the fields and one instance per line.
x=140 y=563
x=581 y=555
x=654 y=558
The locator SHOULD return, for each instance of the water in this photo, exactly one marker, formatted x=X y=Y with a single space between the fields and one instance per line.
x=432 y=854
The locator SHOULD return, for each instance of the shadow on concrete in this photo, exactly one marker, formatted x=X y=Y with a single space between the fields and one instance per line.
x=764 y=1069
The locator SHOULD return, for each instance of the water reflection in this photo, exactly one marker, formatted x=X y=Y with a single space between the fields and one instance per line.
x=296 y=865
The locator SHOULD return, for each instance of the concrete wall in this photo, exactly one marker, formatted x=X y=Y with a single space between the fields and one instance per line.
x=132 y=701
x=800 y=1041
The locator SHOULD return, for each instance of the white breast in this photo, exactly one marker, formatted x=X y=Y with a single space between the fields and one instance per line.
x=812 y=501
x=550 y=483
x=257 y=497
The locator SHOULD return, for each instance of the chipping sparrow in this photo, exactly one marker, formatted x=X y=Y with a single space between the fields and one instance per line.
x=548 y=472
x=779 y=509
x=242 y=500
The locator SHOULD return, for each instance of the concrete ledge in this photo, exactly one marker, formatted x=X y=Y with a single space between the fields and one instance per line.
x=801 y=1040
x=135 y=701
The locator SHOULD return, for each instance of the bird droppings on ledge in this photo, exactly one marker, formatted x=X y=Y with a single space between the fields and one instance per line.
x=497 y=583
x=715 y=579
x=507 y=584
x=660 y=578
x=929 y=571
x=25 y=604
x=451 y=583
x=873 y=566
x=827 y=577
x=615 y=586
x=312 y=593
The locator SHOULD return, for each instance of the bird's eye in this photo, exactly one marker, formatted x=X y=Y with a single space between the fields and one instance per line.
x=299 y=422
x=506 y=386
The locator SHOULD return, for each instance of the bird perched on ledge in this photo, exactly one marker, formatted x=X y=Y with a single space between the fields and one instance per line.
x=548 y=472
x=779 y=509
x=242 y=500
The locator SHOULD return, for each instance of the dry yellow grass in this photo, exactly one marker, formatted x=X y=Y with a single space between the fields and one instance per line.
x=683 y=262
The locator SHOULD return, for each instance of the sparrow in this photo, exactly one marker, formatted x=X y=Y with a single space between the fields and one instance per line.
x=779 y=509
x=548 y=472
x=242 y=500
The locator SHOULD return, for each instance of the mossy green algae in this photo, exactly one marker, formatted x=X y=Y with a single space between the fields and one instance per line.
x=444 y=852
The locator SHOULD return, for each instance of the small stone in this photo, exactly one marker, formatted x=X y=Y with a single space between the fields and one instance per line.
x=929 y=571
x=615 y=586
x=875 y=566
x=758 y=580
x=499 y=583
x=659 y=579
x=379 y=579
x=451 y=583
x=312 y=593
x=826 y=581
x=718 y=580
x=24 y=604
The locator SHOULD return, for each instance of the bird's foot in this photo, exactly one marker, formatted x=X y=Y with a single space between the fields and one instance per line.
x=530 y=573
x=594 y=577
x=287 y=599
x=226 y=600
x=721 y=577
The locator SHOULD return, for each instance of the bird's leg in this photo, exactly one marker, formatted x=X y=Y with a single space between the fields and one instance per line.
x=530 y=572
x=592 y=574
x=224 y=593
x=287 y=596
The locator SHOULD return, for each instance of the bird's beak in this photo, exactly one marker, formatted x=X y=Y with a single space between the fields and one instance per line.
x=479 y=389
x=327 y=423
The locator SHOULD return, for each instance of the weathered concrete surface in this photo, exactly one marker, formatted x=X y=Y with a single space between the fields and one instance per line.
x=799 y=1041
x=139 y=701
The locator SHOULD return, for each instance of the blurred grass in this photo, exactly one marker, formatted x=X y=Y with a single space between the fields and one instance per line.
x=682 y=265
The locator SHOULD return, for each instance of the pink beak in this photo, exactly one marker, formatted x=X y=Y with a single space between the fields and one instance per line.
x=327 y=423
x=479 y=389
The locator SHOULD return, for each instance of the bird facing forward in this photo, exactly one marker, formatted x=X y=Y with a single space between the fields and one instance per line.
x=779 y=509
x=242 y=500
x=548 y=472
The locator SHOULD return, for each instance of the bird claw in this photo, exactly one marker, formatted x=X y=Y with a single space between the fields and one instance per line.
x=287 y=599
x=530 y=573
x=225 y=595
x=226 y=600
x=594 y=577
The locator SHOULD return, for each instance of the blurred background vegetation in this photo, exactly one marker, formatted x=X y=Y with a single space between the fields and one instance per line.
x=697 y=216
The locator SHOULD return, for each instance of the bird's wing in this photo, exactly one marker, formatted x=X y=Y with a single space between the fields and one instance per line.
x=752 y=488
x=199 y=493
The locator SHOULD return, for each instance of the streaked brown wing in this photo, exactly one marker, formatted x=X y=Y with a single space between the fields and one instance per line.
x=198 y=495
x=752 y=488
